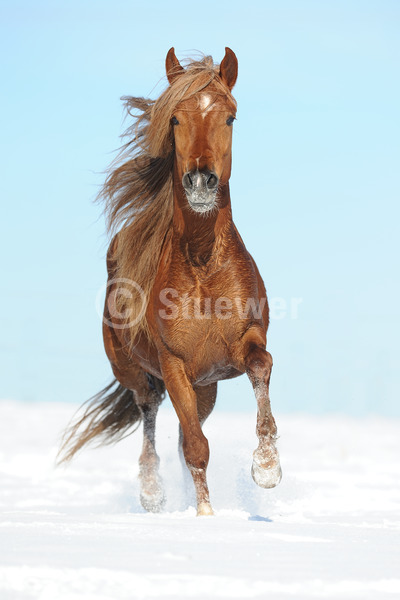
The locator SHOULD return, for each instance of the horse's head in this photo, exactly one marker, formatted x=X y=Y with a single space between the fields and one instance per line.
x=202 y=129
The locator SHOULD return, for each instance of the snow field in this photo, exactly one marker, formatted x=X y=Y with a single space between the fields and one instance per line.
x=331 y=529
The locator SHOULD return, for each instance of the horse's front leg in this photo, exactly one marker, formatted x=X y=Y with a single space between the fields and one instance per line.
x=266 y=469
x=194 y=443
x=206 y=397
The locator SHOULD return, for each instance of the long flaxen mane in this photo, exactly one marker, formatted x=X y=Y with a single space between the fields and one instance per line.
x=138 y=192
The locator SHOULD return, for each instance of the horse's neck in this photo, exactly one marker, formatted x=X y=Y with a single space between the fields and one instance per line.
x=201 y=236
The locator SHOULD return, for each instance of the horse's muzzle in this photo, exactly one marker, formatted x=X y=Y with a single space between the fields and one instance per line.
x=201 y=189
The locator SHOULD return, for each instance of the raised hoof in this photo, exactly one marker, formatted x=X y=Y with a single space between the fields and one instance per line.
x=204 y=509
x=266 y=473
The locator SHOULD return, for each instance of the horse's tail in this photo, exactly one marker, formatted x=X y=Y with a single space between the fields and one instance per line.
x=108 y=416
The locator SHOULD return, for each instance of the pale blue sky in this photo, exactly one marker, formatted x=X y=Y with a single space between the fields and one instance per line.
x=315 y=184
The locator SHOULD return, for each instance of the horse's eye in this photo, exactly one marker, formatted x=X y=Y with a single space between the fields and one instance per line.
x=174 y=121
x=230 y=120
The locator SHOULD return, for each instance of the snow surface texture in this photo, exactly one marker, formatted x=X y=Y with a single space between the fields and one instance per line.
x=331 y=529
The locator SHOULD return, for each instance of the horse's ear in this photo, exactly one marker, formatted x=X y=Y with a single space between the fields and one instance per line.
x=173 y=66
x=228 y=70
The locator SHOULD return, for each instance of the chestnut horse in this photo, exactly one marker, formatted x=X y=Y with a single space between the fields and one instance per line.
x=185 y=306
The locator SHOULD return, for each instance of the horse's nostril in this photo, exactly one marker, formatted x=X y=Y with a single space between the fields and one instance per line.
x=187 y=181
x=212 y=181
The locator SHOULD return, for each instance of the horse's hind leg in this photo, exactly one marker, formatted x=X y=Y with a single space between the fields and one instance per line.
x=152 y=495
x=148 y=391
x=206 y=396
x=266 y=469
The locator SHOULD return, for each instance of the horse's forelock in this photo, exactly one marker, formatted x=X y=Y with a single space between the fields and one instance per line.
x=197 y=76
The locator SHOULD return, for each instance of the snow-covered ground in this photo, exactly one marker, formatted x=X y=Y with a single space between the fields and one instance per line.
x=331 y=529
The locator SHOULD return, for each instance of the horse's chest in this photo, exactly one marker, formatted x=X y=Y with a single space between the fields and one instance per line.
x=201 y=339
x=200 y=316
x=201 y=321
